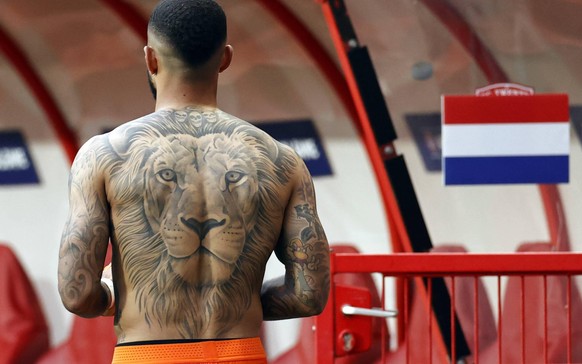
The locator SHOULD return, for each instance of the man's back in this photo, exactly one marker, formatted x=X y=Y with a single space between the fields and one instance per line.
x=197 y=199
x=194 y=202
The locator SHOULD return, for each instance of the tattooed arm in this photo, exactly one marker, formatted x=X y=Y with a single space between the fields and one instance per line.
x=85 y=236
x=304 y=251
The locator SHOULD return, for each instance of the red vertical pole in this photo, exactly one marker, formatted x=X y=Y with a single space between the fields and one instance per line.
x=476 y=318
x=386 y=190
x=555 y=216
x=453 y=296
x=383 y=327
x=569 y=317
x=429 y=315
x=545 y=318
x=499 y=322
x=394 y=215
x=406 y=305
x=522 y=321
x=324 y=325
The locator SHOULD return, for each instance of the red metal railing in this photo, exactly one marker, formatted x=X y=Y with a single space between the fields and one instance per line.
x=539 y=311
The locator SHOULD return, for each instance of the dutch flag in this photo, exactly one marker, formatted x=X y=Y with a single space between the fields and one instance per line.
x=505 y=139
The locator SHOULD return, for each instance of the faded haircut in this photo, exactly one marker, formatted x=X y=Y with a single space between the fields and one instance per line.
x=194 y=29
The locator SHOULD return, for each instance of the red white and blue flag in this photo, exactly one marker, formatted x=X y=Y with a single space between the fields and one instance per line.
x=505 y=139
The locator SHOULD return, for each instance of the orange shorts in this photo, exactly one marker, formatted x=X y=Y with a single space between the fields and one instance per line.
x=243 y=351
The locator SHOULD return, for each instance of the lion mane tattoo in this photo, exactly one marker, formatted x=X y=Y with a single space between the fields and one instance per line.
x=198 y=192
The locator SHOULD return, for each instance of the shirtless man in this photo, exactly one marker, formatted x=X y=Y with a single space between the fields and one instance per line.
x=194 y=201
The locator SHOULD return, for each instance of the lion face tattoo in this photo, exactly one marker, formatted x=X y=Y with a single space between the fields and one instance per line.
x=194 y=197
x=202 y=198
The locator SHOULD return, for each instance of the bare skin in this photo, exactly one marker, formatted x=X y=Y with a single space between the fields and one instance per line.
x=193 y=201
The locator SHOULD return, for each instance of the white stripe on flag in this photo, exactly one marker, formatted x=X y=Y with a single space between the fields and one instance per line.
x=463 y=140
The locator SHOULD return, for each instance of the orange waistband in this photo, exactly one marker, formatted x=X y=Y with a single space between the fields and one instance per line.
x=248 y=351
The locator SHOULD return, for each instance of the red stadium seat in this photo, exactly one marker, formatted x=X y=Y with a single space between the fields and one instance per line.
x=418 y=320
x=24 y=333
x=465 y=305
x=534 y=318
x=91 y=342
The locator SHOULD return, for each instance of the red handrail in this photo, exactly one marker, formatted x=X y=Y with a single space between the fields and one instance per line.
x=440 y=264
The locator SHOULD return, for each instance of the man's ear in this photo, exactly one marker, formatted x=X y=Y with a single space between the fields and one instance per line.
x=151 y=60
x=226 y=58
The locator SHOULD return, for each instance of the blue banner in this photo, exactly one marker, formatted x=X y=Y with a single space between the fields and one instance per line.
x=302 y=136
x=504 y=170
x=576 y=117
x=16 y=165
x=426 y=131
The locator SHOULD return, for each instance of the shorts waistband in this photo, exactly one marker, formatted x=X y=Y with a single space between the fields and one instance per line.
x=172 y=341
x=248 y=350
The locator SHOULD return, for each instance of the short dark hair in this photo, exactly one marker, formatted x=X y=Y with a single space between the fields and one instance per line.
x=195 y=29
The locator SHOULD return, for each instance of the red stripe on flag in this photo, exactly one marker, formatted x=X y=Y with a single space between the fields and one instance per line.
x=505 y=109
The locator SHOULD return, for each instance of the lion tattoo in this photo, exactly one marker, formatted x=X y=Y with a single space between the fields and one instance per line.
x=195 y=225
x=202 y=210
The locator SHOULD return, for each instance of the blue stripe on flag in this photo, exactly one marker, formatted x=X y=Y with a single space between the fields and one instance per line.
x=498 y=170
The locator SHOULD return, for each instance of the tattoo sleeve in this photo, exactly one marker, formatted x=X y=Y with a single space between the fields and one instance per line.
x=85 y=237
x=304 y=251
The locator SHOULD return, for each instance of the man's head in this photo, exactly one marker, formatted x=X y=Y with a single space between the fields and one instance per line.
x=187 y=38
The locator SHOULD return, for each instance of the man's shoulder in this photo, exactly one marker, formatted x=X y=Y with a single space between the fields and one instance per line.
x=125 y=126
x=92 y=146
x=261 y=135
x=102 y=147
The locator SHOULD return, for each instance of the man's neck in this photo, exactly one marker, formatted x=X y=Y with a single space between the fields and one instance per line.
x=178 y=95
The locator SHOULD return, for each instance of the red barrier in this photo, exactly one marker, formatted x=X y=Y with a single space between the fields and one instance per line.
x=91 y=342
x=540 y=316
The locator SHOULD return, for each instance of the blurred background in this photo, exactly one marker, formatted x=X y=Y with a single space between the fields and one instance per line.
x=71 y=69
